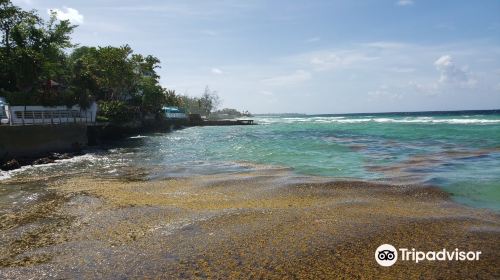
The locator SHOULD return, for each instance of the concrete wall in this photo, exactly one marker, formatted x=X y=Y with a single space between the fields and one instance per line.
x=39 y=140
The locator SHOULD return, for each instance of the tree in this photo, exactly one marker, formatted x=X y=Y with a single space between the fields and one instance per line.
x=105 y=70
x=172 y=99
x=32 y=53
x=209 y=101
x=83 y=81
x=35 y=68
x=11 y=17
x=153 y=96
x=116 y=73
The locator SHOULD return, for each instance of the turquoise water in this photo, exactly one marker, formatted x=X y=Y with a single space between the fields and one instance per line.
x=459 y=152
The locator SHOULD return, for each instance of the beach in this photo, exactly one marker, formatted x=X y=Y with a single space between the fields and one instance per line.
x=269 y=223
x=291 y=198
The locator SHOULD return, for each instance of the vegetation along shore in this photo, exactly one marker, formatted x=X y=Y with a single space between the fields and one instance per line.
x=41 y=66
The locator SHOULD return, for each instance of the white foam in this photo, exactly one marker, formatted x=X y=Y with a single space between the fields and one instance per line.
x=4 y=175
x=138 y=137
x=409 y=120
x=431 y=120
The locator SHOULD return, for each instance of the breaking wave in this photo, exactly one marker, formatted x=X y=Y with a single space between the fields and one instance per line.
x=407 y=120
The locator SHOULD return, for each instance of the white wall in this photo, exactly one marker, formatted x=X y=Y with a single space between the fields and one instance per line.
x=23 y=115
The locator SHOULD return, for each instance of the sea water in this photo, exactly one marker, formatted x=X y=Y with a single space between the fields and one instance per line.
x=456 y=151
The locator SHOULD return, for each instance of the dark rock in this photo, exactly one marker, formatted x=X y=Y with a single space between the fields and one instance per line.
x=45 y=160
x=10 y=165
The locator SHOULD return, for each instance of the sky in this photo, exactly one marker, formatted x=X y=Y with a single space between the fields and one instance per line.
x=307 y=56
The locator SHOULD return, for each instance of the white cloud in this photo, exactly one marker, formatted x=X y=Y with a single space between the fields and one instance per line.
x=349 y=78
x=451 y=73
x=70 y=14
x=405 y=3
x=290 y=79
x=216 y=71
x=452 y=77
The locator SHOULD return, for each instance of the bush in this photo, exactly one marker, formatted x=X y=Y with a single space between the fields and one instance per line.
x=117 y=111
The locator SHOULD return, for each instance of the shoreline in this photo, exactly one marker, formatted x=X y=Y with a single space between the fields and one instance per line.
x=57 y=159
x=102 y=135
x=267 y=223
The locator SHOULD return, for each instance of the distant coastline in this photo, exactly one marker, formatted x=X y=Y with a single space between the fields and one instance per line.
x=409 y=113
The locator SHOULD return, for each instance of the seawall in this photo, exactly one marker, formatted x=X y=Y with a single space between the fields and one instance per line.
x=39 y=140
x=104 y=132
x=29 y=143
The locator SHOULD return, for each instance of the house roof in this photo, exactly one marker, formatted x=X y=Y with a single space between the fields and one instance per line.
x=173 y=110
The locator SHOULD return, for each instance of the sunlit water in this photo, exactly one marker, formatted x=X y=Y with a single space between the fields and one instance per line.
x=459 y=152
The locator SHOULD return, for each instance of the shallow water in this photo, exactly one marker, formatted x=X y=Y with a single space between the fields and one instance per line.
x=459 y=152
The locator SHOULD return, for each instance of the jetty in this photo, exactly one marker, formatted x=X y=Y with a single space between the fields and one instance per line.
x=222 y=122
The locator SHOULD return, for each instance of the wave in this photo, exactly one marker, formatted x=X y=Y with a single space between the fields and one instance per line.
x=415 y=120
x=5 y=175
x=431 y=120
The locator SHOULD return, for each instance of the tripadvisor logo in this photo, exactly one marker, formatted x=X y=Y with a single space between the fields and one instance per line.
x=387 y=255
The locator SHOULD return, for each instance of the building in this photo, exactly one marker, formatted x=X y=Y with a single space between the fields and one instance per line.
x=40 y=115
x=174 y=113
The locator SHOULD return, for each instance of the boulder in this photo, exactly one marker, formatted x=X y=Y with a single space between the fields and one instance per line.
x=10 y=165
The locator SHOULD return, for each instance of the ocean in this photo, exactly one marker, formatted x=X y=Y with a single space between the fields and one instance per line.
x=458 y=152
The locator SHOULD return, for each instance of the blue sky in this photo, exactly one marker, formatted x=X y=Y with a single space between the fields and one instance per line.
x=308 y=56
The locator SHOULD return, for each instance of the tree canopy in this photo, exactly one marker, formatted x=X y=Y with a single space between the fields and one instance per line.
x=40 y=65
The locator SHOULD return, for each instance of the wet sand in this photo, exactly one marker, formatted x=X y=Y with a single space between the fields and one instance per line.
x=262 y=224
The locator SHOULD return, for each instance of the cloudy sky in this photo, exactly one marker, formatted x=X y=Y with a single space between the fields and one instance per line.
x=305 y=56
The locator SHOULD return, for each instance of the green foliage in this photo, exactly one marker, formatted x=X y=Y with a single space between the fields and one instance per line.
x=204 y=105
x=172 y=99
x=31 y=51
x=37 y=68
x=152 y=95
x=229 y=113
x=116 y=111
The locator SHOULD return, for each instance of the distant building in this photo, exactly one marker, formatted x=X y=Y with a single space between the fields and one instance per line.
x=174 y=113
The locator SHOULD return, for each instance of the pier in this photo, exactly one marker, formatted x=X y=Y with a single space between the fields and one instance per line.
x=221 y=122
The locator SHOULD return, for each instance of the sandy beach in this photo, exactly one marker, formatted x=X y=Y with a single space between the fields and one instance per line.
x=263 y=224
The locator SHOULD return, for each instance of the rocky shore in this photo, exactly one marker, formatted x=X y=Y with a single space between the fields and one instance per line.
x=14 y=164
x=266 y=223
